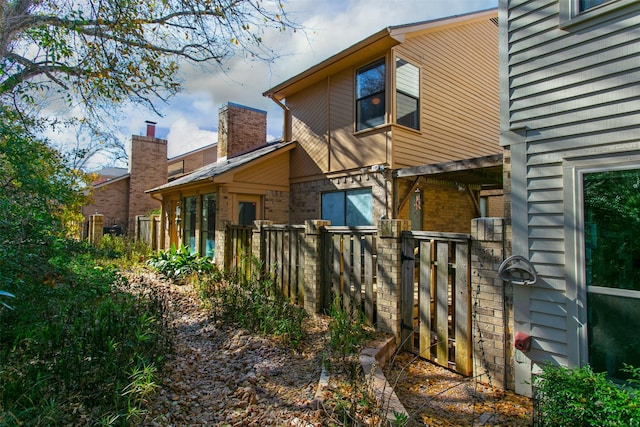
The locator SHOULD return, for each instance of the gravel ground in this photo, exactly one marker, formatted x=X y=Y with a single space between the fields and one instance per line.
x=223 y=376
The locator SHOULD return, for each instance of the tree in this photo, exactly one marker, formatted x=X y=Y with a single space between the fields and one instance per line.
x=39 y=196
x=117 y=50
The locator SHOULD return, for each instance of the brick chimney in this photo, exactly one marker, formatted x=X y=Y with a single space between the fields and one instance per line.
x=240 y=130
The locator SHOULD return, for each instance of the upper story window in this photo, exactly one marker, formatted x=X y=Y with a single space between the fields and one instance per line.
x=407 y=94
x=573 y=12
x=588 y=4
x=370 y=95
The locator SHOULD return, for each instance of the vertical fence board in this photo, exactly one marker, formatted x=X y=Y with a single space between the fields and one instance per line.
x=407 y=289
x=442 y=302
x=463 y=311
x=357 y=271
x=326 y=270
x=336 y=271
x=425 y=297
x=347 y=298
x=369 y=303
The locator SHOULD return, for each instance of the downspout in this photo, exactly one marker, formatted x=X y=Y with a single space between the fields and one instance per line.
x=287 y=112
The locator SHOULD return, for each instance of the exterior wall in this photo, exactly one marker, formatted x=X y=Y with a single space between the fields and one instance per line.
x=588 y=76
x=189 y=162
x=305 y=196
x=323 y=124
x=147 y=169
x=309 y=118
x=444 y=207
x=240 y=129
x=459 y=105
x=276 y=206
x=110 y=200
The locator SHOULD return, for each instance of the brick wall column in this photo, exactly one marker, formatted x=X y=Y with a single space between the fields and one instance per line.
x=389 y=274
x=491 y=300
x=312 y=265
x=96 y=224
x=221 y=243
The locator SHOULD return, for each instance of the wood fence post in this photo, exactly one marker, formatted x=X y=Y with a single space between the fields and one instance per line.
x=96 y=224
x=389 y=275
x=313 y=300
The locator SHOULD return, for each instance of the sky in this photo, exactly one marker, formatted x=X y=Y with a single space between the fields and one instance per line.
x=189 y=121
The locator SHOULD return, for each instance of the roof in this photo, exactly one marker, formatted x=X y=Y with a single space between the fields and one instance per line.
x=382 y=40
x=212 y=170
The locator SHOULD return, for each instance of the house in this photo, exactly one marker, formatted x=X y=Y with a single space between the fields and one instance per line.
x=418 y=95
x=570 y=127
x=119 y=193
x=248 y=181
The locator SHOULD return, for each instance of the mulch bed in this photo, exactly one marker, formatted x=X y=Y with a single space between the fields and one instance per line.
x=435 y=396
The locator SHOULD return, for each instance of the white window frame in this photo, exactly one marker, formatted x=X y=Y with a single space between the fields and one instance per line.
x=575 y=263
x=570 y=13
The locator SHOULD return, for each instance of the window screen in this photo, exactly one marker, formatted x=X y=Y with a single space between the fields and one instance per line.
x=370 y=94
x=351 y=208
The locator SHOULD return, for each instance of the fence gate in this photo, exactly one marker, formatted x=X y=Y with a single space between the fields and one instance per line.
x=348 y=268
x=436 y=298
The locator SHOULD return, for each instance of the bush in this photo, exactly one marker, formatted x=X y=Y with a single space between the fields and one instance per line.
x=77 y=347
x=581 y=397
x=177 y=264
x=347 y=329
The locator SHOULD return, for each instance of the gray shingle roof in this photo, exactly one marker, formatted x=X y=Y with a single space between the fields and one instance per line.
x=218 y=168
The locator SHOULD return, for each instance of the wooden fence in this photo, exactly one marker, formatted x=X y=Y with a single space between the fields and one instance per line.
x=282 y=252
x=349 y=265
x=238 y=249
x=436 y=298
x=435 y=289
x=148 y=230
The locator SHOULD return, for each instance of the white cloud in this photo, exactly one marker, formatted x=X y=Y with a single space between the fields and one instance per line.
x=184 y=136
x=331 y=26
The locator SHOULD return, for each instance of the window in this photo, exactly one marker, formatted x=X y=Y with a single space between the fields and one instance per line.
x=246 y=213
x=352 y=207
x=612 y=269
x=370 y=96
x=578 y=11
x=189 y=212
x=208 y=226
x=407 y=94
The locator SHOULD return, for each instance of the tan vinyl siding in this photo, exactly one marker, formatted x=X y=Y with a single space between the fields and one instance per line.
x=459 y=99
x=272 y=174
x=349 y=150
x=575 y=93
x=309 y=118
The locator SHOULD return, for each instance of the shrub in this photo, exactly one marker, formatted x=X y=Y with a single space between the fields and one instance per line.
x=253 y=303
x=581 y=397
x=77 y=347
x=177 y=264
x=347 y=329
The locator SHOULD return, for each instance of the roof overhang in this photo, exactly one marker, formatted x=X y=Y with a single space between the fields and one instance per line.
x=480 y=171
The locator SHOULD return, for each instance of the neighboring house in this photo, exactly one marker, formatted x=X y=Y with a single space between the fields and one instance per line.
x=119 y=194
x=248 y=181
x=403 y=124
x=571 y=130
x=119 y=199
